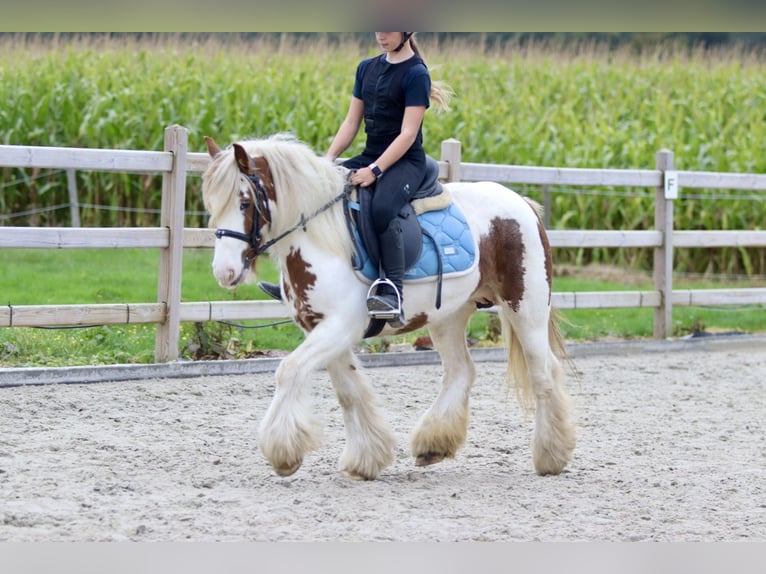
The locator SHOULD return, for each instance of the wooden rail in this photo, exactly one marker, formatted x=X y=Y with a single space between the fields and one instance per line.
x=175 y=163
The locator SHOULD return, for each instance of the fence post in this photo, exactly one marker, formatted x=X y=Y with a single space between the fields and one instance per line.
x=74 y=204
x=452 y=154
x=171 y=257
x=663 y=255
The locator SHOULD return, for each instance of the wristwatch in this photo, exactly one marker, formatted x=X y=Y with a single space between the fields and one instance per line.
x=375 y=170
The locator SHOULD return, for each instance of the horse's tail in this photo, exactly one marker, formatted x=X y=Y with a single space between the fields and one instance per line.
x=517 y=373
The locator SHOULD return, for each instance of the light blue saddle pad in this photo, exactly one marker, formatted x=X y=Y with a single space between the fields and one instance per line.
x=451 y=237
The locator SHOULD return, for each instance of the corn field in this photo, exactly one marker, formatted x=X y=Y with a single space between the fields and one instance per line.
x=533 y=105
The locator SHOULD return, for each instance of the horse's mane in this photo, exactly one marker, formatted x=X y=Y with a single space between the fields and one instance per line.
x=303 y=181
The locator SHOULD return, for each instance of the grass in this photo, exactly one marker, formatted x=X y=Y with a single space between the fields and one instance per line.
x=48 y=277
x=590 y=324
x=45 y=277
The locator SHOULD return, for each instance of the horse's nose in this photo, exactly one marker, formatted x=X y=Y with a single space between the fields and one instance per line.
x=225 y=275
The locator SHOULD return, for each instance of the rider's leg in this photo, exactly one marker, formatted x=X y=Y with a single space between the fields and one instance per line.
x=392 y=192
x=391 y=247
x=271 y=289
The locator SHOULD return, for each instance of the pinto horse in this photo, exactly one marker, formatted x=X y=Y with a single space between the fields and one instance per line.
x=277 y=194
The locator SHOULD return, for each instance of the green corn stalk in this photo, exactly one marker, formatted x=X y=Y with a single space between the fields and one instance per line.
x=537 y=105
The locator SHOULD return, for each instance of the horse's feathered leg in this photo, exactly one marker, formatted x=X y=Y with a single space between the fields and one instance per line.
x=370 y=442
x=442 y=429
x=516 y=266
x=537 y=373
x=289 y=430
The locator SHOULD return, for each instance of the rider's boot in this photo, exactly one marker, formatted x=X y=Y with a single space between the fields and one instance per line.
x=271 y=289
x=386 y=303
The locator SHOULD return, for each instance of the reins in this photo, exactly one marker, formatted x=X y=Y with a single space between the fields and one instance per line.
x=261 y=198
x=302 y=223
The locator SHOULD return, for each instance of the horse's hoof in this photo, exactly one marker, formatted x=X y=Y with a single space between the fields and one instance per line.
x=354 y=475
x=287 y=470
x=429 y=458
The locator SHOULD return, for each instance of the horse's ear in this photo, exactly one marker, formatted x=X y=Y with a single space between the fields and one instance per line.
x=212 y=147
x=244 y=161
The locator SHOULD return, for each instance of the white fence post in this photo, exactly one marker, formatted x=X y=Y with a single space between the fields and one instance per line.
x=74 y=204
x=171 y=257
x=452 y=154
x=663 y=255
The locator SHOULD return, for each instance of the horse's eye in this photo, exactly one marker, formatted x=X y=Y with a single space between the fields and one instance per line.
x=244 y=205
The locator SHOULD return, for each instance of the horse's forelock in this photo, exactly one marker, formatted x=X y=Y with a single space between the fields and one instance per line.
x=218 y=182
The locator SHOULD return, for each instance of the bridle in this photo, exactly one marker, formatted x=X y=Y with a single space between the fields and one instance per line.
x=259 y=213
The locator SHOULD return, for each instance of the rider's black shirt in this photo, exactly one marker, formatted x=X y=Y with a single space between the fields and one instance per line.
x=386 y=89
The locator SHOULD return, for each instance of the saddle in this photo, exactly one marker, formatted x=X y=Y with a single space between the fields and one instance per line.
x=436 y=236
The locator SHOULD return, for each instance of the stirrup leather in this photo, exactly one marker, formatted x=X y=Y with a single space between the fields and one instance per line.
x=385 y=314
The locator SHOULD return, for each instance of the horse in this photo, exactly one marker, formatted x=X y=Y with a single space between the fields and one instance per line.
x=277 y=195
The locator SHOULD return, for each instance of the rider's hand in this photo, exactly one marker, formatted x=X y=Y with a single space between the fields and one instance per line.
x=363 y=177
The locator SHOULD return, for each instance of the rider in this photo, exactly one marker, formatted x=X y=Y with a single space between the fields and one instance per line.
x=391 y=94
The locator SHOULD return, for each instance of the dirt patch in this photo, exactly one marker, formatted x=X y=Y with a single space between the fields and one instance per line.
x=672 y=447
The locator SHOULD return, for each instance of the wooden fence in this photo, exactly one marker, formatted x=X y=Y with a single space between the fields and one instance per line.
x=175 y=163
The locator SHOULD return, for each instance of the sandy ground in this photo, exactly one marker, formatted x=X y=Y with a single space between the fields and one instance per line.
x=672 y=447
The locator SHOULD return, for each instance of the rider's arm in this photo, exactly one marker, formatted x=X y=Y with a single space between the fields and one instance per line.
x=348 y=129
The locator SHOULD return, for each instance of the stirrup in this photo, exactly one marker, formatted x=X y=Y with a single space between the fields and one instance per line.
x=376 y=308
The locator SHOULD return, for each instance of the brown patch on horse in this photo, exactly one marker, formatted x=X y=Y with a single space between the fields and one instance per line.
x=417 y=322
x=268 y=180
x=249 y=254
x=256 y=165
x=501 y=263
x=301 y=282
x=249 y=166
